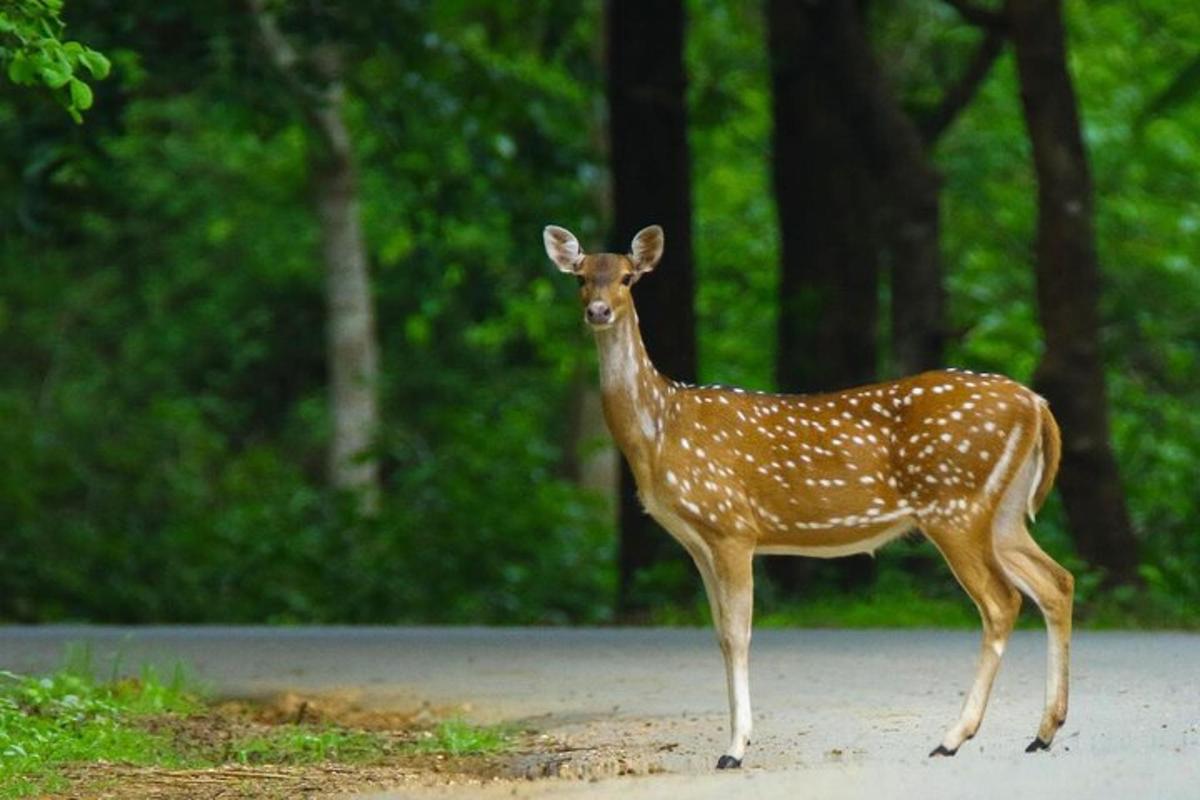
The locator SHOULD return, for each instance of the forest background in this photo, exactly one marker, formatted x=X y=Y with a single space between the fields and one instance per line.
x=280 y=341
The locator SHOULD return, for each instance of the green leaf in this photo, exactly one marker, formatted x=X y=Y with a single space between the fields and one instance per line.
x=81 y=94
x=21 y=70
x=96 y=63
x=55 y=74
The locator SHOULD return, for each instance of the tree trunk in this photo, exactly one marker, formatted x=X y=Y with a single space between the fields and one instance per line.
x=827 y=202
x=352 y=349
x=825 y=199
x=651 y=184
x=908 y=205
x=917 y=288
x=1071 y=374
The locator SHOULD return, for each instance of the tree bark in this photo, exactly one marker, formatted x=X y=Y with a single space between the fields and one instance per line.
x=918 y=298
x=829 y=88
x=909 y=207
x=651 y=172
x=352 y=345
x=1071 y=374
x=825 y=200
x=352 y=350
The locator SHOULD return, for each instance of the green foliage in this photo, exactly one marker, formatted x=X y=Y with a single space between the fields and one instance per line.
x=33 y=53
x=737 y=241
x=166 y=406
x=67 y=717
x=459 y=738
x=1181 y=90
x=294 y=744
x=161 y=310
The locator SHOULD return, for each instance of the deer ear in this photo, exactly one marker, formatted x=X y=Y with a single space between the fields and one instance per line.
x=563 y=248
x=647 y=248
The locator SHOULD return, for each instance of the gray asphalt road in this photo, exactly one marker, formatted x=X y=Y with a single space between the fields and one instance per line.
x=838 y=714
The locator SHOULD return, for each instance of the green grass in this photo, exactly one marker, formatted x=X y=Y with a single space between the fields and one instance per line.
x=903 y=609
x=48 y=723
x=67 y=718
x=902 y=598
x=458 y=738
x=893 y=609
x=295 y=744
x=899 y=609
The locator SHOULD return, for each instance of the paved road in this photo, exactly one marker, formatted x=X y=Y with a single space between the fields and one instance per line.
x=838 y=714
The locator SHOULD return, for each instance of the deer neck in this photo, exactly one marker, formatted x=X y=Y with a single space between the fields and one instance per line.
x=634 y=393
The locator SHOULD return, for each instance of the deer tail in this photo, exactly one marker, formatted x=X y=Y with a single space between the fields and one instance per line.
x=1050 y=454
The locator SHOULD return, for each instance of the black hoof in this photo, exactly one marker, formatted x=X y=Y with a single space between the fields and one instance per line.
x=728 y=762
x=941 y=750
x=1037 y=744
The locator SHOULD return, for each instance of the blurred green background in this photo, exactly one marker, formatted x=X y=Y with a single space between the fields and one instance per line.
x=164 y=406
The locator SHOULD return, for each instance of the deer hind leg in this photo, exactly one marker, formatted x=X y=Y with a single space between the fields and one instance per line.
x=1052 y=588
x=980 y=574
x=1046 y=583
x=728 y=575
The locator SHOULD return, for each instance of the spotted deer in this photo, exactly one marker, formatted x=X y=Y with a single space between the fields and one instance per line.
x=959 y=456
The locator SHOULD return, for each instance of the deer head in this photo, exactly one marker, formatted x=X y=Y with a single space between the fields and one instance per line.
x=605 y=279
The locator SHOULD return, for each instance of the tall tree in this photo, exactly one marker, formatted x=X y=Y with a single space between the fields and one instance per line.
x=843 y=139
x=824 y=196
x=651 y=171
x=832 y=101
x=315 y=79
x=1071 y=374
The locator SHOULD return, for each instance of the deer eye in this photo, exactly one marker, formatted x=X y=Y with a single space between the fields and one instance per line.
x=627 y=279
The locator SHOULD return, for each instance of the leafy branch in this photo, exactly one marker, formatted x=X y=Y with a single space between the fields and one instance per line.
x=33 y=53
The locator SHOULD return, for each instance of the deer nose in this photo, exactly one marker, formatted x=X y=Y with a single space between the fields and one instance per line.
x=598 y=313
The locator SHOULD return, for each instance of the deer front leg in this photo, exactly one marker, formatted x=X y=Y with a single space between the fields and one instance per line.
x=729 y=580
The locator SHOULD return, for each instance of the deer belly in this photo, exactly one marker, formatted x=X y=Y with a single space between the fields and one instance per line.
x=834 y=542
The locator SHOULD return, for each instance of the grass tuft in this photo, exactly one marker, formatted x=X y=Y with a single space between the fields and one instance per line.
x=294 y=744
x=69 y=718
x=458 y=738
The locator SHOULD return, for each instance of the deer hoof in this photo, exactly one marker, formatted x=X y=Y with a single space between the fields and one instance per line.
x=941 y=750
x=1037 y=744
x=728 y=762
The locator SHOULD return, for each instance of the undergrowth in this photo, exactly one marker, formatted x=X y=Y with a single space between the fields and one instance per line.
x=900 y=599
x=67 y=717
x=53 y=722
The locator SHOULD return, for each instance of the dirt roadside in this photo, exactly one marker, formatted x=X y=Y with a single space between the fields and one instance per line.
x=400 y=767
